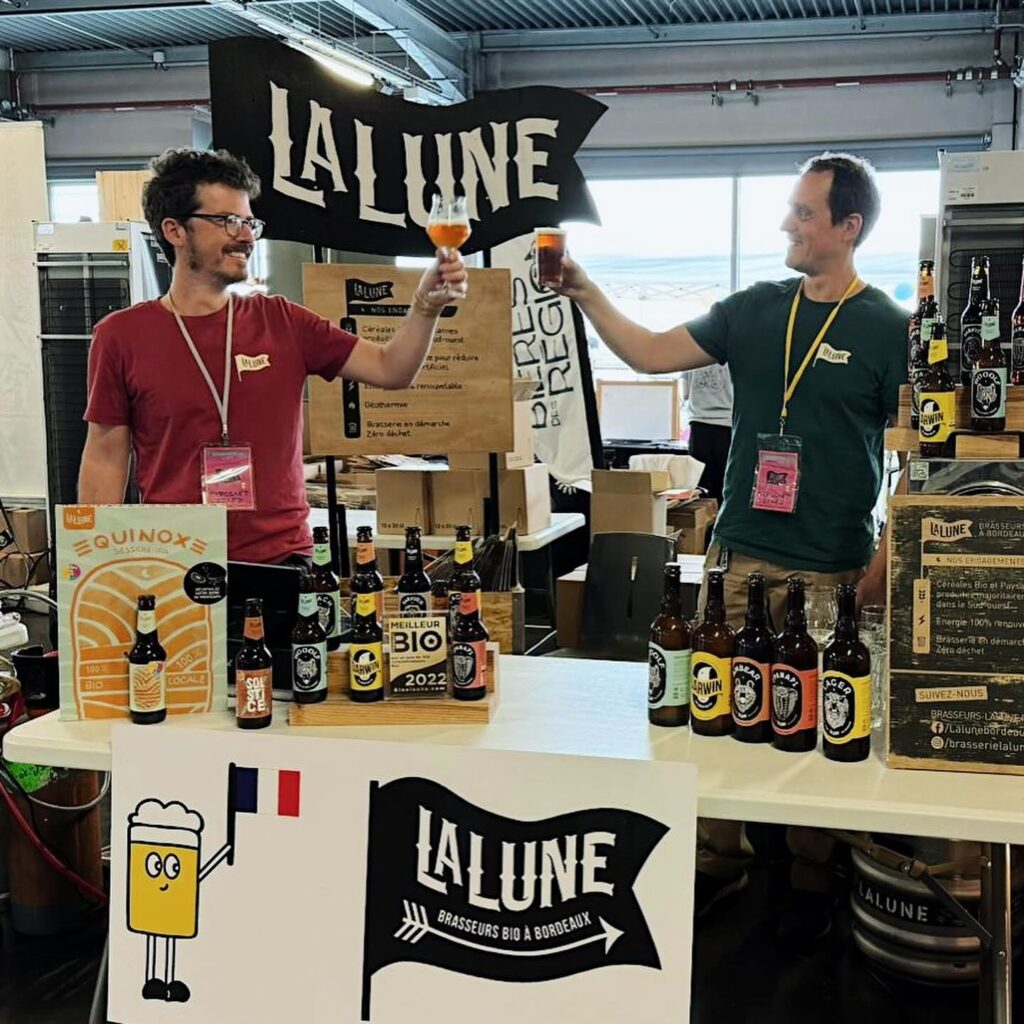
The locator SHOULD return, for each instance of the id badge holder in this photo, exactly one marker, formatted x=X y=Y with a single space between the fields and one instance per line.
x=777 y=478
x=227 y=477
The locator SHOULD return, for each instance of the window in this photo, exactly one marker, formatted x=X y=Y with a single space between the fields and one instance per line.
x=72 y=201
x=661 y=252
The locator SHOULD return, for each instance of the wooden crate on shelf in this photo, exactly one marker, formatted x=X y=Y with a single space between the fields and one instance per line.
x=504 y=613
x=338 y=709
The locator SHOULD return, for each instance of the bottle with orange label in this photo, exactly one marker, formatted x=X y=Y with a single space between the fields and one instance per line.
x=714 y=643
x=147 y=663
x=752 y=669
x=366 y=579
x=469 y=649
x=795 y=678
x=254 y=686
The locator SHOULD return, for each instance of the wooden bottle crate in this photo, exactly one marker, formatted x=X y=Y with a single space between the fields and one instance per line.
x=338 y=709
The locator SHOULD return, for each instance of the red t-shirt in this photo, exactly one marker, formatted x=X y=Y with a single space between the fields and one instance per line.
x=142 y=375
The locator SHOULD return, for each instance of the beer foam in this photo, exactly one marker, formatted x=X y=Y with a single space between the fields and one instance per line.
x=170 y=815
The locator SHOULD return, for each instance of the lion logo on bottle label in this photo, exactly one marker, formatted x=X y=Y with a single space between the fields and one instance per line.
x=837 y=710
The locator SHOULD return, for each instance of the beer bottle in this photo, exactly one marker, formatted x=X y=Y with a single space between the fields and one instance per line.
x=465 y=579
x=752 y=669
x=309 y=648
x=254 y=686
x=469 y=649
x=366 y=652
x=936 y=397
x=711 y=666
x=920 y=329
x=366 y=579
x=147 y=664
x=325 y=583
x=970 y=319
x=669 y=657
x=439 y=604
x=1017 y=339
x=989 y=375
x=846 y=686
x=795 y=677
x=414 y=586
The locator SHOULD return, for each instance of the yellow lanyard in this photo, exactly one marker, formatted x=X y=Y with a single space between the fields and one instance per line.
x=790 y=386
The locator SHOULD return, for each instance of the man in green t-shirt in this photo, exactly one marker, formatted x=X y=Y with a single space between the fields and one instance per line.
x=834 y=413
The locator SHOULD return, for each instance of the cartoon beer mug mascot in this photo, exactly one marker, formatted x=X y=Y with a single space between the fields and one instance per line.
x=164 y=874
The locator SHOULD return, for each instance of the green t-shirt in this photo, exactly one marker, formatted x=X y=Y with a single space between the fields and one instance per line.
x=839 y=410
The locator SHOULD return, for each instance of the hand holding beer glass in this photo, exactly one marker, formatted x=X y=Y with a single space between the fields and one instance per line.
x=448 y=228
x=548 y=253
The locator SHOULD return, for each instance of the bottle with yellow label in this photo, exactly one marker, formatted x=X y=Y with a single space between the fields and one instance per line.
x=936 y=397
x=366 y=652
x=465 y=579
x=846 y=686
x=714 y=643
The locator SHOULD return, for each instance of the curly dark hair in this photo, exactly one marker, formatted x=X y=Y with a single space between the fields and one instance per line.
x=171 y=192
x=854 y=189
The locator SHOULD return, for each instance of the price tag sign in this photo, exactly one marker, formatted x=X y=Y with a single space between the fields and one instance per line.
x=418 y=656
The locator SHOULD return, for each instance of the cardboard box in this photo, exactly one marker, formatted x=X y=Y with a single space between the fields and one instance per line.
x=524 y=498
x=457 y=497
x=624 y=501
x=107 y=555
x=692 y=524
x=29 y=528
x=403 y=499
x=19 y=571
x=521 y=456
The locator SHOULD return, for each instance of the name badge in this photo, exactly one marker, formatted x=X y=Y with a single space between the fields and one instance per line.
x=777 y=477
x=227 y=477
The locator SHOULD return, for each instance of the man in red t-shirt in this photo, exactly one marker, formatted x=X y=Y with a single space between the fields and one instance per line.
x=147 y=391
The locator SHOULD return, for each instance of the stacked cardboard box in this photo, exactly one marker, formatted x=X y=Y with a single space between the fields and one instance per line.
x=24 y=562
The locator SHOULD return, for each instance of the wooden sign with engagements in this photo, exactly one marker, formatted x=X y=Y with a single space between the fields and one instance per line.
x=462 y=400
x=956 y=633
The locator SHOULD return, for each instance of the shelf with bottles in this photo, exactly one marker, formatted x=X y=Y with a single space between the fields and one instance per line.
x=338 y=709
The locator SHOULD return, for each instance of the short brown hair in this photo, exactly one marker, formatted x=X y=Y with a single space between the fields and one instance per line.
x=854 y=188
x=177 y=173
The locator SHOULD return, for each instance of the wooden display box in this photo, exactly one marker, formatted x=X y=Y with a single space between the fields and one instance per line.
x=504 y=613
x=1014 y=408
x=338 y=709
x=956 y=633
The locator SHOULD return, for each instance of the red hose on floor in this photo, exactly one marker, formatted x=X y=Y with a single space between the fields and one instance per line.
x=84 y=887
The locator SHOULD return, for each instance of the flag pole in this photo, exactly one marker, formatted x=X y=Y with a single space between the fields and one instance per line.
x=367 y=970
x=231 y=814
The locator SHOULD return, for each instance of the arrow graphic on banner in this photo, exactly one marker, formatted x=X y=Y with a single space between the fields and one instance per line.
x=416 y=924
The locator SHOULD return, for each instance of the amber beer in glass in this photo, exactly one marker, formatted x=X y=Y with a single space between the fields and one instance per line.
x=548 y=250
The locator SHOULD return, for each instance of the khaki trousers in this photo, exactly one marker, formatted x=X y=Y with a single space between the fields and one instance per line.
x=723 y=849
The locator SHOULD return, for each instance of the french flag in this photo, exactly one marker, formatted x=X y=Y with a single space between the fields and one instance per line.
x=265 y=791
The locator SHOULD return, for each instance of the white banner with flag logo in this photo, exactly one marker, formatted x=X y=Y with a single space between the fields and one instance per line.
x=278 y=878
x=545 y=348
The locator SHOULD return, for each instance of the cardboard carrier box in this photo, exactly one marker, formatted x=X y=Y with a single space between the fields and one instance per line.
x=107 y=555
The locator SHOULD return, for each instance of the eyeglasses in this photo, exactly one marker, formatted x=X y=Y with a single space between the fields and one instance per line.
x=232 y=223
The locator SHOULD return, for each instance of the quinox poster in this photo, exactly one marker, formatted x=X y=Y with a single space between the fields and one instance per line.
x=354 y=169
x=390 y=877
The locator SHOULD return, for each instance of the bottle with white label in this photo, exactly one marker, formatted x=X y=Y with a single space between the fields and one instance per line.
x=325 y=583
x=669 y=655
x=254 y=686
x=989 y=375
x=147 y=663
x=309 y=649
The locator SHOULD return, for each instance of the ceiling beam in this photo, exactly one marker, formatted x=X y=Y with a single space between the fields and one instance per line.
x=419 y=38
x=769 y=30
x=71 y=7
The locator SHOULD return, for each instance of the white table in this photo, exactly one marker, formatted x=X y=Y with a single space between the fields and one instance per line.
x=562 y=523
x=598 y=708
